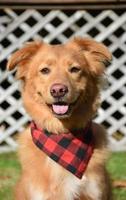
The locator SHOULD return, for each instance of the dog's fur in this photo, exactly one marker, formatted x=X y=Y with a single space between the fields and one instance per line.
x=79 y=64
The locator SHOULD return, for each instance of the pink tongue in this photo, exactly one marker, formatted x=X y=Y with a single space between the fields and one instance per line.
x=60 y=109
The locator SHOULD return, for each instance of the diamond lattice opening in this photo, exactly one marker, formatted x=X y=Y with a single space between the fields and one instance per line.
x=93 y=32
x=106 y=124
x=81 y=22
x=43 y=32
x=117 y=74
x=118 y=135
x=119 y=32
x=105 y=105
x=16 y=95
x=118 y=53
x=18 y=32
x=117 y=95
x=56 y=22
x=17 y=115
x=5 y=125
x=5 y=105
x=5 y=43
x=68 y=33
x=107 y=21
x=117 y=115
x=107 y=42
x=31 y=21
x=5 y=84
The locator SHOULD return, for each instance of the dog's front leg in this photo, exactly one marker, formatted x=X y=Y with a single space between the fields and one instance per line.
x=19 y=193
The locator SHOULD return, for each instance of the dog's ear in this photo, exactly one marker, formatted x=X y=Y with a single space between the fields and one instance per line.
x=96 y=54
x=21 y=58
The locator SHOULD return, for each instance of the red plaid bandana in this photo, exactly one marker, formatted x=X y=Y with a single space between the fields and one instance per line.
x=72 y=151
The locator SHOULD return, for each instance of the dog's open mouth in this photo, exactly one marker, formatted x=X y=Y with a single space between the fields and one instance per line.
x=60 y=108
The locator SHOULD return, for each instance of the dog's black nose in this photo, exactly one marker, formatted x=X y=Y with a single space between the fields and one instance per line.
x=58 y=90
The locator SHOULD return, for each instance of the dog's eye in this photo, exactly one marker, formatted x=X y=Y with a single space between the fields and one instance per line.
x=45 y=70
x=74 y=69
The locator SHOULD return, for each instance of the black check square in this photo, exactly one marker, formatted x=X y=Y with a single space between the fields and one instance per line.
x=54 y=157
x=81 y=153
x=64 y=142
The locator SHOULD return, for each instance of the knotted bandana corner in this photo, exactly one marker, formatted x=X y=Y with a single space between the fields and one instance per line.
x=72 y=150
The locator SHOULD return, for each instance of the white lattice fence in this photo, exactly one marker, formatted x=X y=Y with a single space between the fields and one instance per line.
x=19 y=26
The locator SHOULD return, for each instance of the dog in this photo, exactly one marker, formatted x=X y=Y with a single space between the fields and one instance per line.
x=61 y=92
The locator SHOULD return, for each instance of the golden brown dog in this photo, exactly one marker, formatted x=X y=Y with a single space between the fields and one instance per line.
x=60 y=91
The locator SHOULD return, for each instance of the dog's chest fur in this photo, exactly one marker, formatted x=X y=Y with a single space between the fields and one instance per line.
x=65 y=186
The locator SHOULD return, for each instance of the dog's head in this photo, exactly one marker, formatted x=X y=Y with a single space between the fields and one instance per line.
x=61 y=82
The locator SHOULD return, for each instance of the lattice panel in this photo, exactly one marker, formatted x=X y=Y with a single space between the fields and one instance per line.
x=19 y=26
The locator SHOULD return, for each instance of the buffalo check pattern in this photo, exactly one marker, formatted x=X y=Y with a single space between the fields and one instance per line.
x=71 y=150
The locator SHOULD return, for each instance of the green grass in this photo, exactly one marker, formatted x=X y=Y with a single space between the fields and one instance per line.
x=10 y=170
x=117 y=169
x=9 y=173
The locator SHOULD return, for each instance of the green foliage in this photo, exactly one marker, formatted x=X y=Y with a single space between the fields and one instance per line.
x=10 y=170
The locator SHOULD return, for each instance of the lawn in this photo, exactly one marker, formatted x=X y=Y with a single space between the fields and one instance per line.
x=10 y=170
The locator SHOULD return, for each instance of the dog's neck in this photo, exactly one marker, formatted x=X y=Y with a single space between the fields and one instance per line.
x=61 y=126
